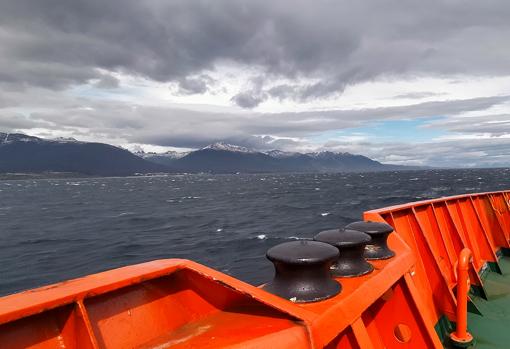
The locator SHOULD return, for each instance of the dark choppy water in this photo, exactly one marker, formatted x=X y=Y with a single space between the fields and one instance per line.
x=57 y=229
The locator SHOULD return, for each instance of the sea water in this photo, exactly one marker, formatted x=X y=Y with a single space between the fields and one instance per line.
x=55 y=229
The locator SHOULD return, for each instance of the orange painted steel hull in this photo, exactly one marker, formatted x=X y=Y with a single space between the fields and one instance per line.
x=181 y=304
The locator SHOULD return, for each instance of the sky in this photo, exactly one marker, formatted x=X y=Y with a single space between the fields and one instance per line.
x=403 y=82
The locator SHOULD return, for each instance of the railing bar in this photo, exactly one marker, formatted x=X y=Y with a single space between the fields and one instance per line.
x=457 y=230
x=507 y=204
x=361 y=334
x=88 y=325
x=498 y=217
x=429 y=248
x=451 y=254
x=491 y=247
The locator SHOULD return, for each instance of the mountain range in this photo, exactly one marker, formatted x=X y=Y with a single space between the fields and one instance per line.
x=20 y=153
x=227 y=158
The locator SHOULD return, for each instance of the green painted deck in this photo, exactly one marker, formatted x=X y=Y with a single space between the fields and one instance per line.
x=491 y=330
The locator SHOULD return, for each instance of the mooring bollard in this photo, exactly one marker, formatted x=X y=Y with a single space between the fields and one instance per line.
x=302 y=271
x=351 y=245
x=379 y=232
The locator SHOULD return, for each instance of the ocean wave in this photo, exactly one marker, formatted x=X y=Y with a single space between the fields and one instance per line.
x=121 y=227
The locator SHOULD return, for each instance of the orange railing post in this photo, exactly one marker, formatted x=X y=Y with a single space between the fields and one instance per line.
x=461 y=337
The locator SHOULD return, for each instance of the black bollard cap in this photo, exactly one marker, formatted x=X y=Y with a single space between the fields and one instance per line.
x=302 y=253
x=378 y=231
x=302 y=271
x=371 y=228
x=340 y=238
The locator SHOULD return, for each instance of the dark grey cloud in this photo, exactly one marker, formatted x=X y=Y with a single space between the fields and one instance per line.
x=12 y=121
x=59 y=43
x=249 y=99
x=107 y=81
x=195 y=85
x=251 y=96
x=291 y=50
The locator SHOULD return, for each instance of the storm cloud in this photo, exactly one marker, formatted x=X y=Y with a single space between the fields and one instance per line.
x=58 y=43
x=264 y=74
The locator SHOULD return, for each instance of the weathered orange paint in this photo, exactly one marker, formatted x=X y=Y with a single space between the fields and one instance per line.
x=181 y=304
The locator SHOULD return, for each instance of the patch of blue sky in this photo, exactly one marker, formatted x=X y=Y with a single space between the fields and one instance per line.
x=412 y=130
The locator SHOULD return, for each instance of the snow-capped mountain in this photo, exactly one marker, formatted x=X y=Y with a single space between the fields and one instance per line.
x=7 y=138
x=326 y=154
x=227 y=158
x=229 y=147
x=170 y=154
x=166 y=158
x=65 y=140
x=280 y=154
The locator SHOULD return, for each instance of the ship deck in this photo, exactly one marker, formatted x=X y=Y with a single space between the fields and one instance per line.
x=408 y=301
x=490 y=328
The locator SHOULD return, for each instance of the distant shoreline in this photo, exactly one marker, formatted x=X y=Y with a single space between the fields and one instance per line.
x=70 y=175
x=44 y=175
x=74 y=175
